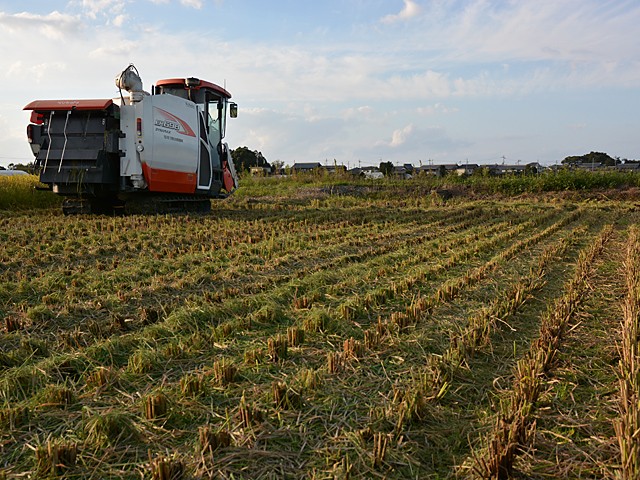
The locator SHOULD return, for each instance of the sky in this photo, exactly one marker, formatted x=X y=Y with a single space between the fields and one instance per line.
x=355 y=82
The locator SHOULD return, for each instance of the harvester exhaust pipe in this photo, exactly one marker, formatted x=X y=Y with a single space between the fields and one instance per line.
x=130 y=81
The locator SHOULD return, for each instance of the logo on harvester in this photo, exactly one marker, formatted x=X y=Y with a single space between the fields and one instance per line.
x=164 y=119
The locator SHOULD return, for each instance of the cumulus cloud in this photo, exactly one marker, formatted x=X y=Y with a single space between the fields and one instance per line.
x=399 y=137
x=113 y=48
x=436 y=108
x=119 y=20
x=541 y=44
x=95 y=7
x=110 y=11
x=363 y=112
x=38 y=71
x=197 y=4
x=411 y=10
x=572 y=30
x=286 y=136
x=53 y=25
x=428 y=84
x=415 y=142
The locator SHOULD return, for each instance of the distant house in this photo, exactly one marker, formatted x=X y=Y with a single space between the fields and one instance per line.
x=429 y=169
x=518 y=169
x=467 y=169
x=534 y=167
x=334 y=168
x=400 y=171
x=373 y=174
x=505 y=169
x=260 y=171
x=627 y=167
x=305 y=167
x=590 y=167
x=437 y=170
x=368 y=172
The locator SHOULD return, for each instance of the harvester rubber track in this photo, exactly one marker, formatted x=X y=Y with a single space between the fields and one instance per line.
x=163 y=204
x=76 y=206
x=86 y=206
x=135 y=205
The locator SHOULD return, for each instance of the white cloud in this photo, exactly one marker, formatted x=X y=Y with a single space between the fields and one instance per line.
x=197 y=4
x=114 y=49
x=411 y=10
x=54 y=25
x=572 y=30
x=436 y=108
x=95 y=9
x=38 y=71
x=364 y=112
x=429 y=84
x=413 y=143
x=399 y=137
x=119 y=20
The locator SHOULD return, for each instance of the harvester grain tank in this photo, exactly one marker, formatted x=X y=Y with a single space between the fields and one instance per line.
x=142 y=152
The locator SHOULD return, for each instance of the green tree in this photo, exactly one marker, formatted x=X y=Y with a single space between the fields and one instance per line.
x=29 y=167
x=277 y=165
x=386 y=168
x=593 y=158
x=244 y=159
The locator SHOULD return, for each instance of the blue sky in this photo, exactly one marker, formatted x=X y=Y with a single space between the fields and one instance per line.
x=406 y=81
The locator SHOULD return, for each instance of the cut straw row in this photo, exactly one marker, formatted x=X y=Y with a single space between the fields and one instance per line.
x=627 y=425
x=515 y=423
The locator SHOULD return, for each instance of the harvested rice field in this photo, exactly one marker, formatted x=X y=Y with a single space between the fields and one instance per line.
x=323 y=336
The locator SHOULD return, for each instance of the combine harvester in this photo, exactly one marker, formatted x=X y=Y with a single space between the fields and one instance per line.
x=162 y=152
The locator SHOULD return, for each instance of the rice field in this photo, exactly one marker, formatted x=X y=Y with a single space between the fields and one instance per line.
x=311 y=334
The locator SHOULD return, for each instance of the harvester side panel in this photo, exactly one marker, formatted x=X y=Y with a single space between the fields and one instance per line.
x=169 y=143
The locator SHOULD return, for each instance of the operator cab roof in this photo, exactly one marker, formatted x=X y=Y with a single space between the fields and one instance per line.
x=190 y=84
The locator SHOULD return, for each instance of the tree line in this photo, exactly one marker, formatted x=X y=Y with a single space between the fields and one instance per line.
x=596 y=158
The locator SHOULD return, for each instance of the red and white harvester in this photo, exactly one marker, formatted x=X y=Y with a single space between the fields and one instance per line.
x=141 y=153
